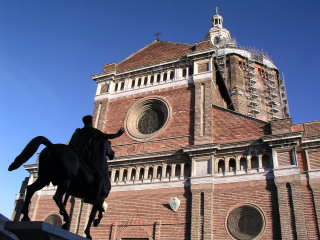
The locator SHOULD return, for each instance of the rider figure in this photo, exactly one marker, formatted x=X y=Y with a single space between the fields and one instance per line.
x=83 y=140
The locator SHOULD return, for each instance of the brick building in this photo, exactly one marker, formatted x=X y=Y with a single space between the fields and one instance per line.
x=207 y=128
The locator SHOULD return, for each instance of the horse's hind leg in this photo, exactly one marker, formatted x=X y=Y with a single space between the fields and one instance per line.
x=58 y=199
x=31 y=189
x=91 y=218
x=98 y=220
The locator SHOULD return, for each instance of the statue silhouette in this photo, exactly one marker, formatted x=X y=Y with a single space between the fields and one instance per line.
x=79 y=170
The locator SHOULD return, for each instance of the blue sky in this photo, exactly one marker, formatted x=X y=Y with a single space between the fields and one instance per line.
x=49 y=50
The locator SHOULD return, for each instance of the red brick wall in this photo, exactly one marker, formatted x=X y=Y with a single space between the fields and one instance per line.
x=302 y=162
x=262 y=194
x=176 y=134
x=309 y=212
x=258 y=193
x=229 y=126
x=141 y=210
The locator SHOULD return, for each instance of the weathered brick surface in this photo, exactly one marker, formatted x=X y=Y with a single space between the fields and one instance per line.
x=228 y=196
x=309 y=211
x=309 y=128
x=302 y=161
x=281 y=126
x=229 y=126
x=136 y=213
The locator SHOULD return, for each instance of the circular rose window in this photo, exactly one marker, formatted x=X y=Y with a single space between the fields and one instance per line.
x=245 y=222
x=147 y=118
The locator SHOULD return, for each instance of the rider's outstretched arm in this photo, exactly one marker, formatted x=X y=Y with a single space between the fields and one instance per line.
x=112 y=136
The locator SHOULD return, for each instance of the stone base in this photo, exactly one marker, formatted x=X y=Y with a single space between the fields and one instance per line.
x=39 y=231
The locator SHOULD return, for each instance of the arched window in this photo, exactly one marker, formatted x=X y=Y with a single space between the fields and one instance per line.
x=243 y=163
x=133 y=175
x=150 y=173
x=216 y=40
x=125 y=175
x=133 y=83
x=152 y=79
x=187 y=170
x=232 y=165
x=116 y=87
x=121 y=86
x=254 y=162
x=178 y=170
x=116 y=176
x=159 y=172
x=184 y=72
x=168 y=172
x=141 y=174
x=221 y=168
x=165 y=76
x=171 y=75
x=139 y=82
x=266 y=163
x=54 y=219
x=158 y=77
x=145 y=80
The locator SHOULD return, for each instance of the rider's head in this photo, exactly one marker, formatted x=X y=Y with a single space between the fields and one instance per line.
x=87 y=120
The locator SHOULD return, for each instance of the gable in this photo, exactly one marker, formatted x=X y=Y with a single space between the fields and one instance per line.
x=155 y=52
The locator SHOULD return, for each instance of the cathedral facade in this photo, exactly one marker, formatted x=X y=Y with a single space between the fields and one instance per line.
x=209 y=151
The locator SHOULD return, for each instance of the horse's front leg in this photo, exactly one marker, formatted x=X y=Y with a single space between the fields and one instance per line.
x=91 y=218
x=58 y=199
x=31 y=189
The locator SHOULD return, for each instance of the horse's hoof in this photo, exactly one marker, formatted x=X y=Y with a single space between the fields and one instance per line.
x=25 y=219
x=66 y=226
x=88 y=235
x=96 y=222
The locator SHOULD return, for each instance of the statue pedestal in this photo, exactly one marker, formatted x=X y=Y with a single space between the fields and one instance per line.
x=39 y=231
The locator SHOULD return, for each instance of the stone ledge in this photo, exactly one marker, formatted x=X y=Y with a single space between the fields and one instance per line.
x=39 y=231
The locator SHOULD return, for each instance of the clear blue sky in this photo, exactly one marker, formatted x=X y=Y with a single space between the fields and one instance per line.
x=49 y=50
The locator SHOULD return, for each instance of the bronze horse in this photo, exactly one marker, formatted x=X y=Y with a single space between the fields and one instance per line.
x=60 y=165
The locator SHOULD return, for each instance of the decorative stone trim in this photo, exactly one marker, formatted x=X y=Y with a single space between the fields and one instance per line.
x=138 y=110
x=237 y=222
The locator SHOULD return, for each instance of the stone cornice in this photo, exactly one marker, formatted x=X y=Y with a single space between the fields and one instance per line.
x=285 y=139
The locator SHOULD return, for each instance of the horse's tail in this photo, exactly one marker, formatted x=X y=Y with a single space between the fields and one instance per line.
x=28 y=151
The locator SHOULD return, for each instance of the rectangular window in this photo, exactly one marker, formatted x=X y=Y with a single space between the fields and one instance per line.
x=104 y=88
x=203 y=67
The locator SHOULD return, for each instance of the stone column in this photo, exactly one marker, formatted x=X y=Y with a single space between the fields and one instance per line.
x=173 y=170
x=260 y=161
x=137 y=173
x=182 y=171
x=226 y=166
x=129 y=174
x=155 y=169
x=238 y=163
x=121 y=174
x=249 y=162
x=146 y=170
x=113 y=173
x=164 y=170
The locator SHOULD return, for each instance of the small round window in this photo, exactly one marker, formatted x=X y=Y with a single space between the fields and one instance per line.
x=245 y=222
x=146 y=118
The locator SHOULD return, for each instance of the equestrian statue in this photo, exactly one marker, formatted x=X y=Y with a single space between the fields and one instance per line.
x=79 y=169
